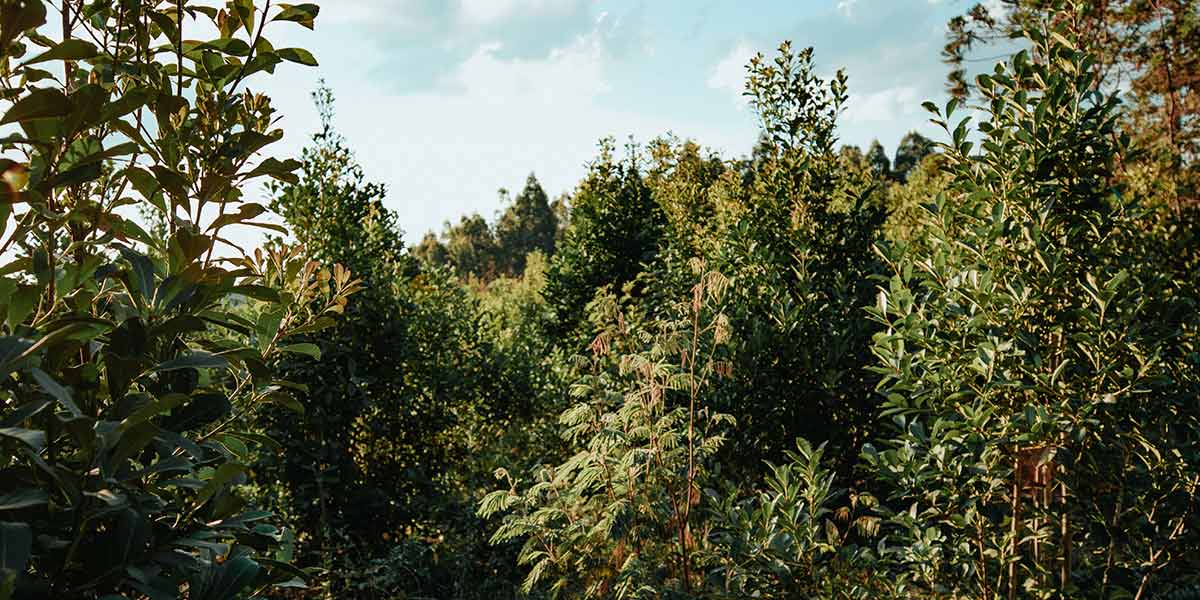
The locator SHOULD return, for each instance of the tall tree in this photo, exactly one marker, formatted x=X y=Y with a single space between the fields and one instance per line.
x=614 y=231
x=527 y=224
x=334 y=210
x=472 y=247
x=800 y=252
x=878 y=160
x=913 y=147
x=431 y=250
x=1032 y=364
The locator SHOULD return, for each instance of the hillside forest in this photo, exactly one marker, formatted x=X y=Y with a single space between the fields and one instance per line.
x=965 y=368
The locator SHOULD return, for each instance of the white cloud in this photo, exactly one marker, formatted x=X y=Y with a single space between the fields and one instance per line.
x=846 y=7
x=730 y=72
x=478 y=12
x=570 y=74
x=350 y=12
x=996 y=8
x=882 y=106
x=487 y=123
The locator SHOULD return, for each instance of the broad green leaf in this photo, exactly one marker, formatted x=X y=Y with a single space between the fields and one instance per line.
x=55 y=389
x=153 y=408
x=231 y=578
x=307 y=349
x=297 y=55
x=23 y=498
x=38 y=104
x=11 y=348
x=196 y=359
x=304 y=14
x=16 y=542
x=19 y=16
x=223 y=475
x=72 y=49
x=143 y=274
x=30 y=437
x=230 y=46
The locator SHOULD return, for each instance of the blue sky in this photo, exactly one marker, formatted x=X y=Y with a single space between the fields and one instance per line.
x=446 y=101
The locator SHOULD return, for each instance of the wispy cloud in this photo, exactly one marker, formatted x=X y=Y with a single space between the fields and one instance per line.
x=729 y=74
x=883 y=106
x=479 y=12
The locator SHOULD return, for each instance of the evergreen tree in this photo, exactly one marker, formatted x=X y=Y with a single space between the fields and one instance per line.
x=527 y=224
x=614 y=231
x=913 y=147
x=877 y=158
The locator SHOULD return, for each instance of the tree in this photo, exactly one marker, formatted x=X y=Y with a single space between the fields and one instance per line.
x=431 y=251
x=1033 y=358
x=561 y=207
x=624 y=506
x=527 y=224
x=132 y=363
x=1147 y=48
x=334 y=210
x=878 y=160
x=614 y=231
x=472 y=247
x=799 y=248
x=912 y=149
x=340 y=215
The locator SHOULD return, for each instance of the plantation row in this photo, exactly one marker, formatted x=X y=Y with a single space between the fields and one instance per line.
x=971 y=371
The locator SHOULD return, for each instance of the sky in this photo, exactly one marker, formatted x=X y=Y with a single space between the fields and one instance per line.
x=446 y=101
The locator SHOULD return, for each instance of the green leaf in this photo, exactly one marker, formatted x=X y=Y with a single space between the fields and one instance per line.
x=307 y=349
x=23 y=498
x=297 y=55
x=54 y=388
x=143 y=272
x=16 y=541
x=38 y=104
x=19 y=16
x=1060 y=38
x=317 y=325
x=277 y=169
x=221 y=477
x=23 y=412
x=166 y=24
x=152 y=409
x=288 y=401
x=304 y=14
x=197 y=359
x=267 y=328
x=72 y=49
x=230 y=46
x=30 y=437
x=258 y=292
x=230 y=579
x=10 y=348
x=258 y=438
x=245 y=212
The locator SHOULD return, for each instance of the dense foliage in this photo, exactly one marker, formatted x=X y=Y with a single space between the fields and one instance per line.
x=131 y=363
x=968 y=370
